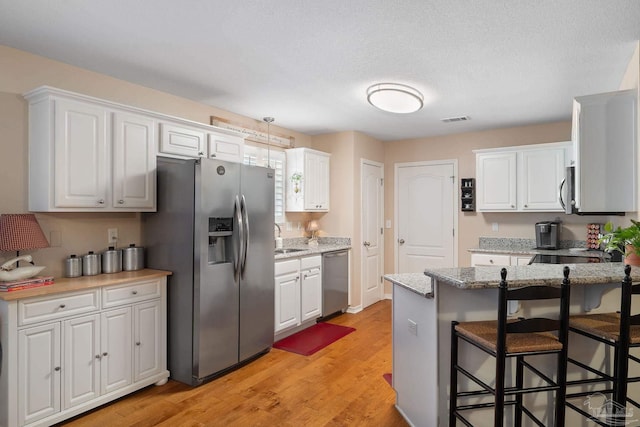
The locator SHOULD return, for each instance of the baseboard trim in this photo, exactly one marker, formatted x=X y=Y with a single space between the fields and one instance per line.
x=388 y=296
x=354 y=310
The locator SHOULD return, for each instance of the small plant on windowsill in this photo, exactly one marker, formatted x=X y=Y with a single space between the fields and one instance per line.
x=625 y=240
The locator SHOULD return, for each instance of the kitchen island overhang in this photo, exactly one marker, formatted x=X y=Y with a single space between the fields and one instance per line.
x=425 y=304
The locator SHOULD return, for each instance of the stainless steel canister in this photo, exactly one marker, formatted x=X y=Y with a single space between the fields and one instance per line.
x=132 y=258
x=91 y=264
x=73 y=266
x=112 y=260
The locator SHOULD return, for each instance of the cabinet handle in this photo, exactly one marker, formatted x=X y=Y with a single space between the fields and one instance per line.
x=101 y=202
x=401 y=241
x=526 y=206
x=134 y=292
x=138 y=343
x=62 y=306
x=98 y=357
x=513 y=206
x=200 y=153
x=213 y=155
x=490 y=261
x=121 y=202
x=105 y=354
x=57 y=368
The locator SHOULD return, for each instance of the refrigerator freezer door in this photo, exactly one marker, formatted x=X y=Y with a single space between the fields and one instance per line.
x=216 y=306
x=257 y=283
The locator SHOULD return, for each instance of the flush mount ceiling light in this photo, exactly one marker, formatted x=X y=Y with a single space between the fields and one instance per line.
x=395 y=98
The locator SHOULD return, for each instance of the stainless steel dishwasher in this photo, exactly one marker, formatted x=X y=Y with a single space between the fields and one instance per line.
x=335 y=282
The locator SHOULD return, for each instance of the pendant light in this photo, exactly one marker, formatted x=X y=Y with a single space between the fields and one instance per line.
x=269 y=120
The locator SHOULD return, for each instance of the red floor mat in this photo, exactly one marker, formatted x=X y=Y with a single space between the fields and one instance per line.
x=387 y=378
x=312 y=339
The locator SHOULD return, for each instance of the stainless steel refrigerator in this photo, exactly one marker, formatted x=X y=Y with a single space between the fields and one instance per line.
x=214 y=231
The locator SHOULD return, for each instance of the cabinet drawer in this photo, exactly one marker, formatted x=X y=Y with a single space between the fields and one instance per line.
x=34 y=310
x=125 y=294
x=490 y=259
x=310 y=262
x=285 y=267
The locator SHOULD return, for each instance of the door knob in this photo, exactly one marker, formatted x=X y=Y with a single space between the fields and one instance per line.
x=367 y=244
x=401 y=241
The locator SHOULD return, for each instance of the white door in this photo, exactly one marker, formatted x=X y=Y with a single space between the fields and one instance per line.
x=116 y=346
x=426 y=216
x=372 y=237
x=81 y=360
x=147 y=357
x=134 y=161
x=81 y=156
x=39 y=372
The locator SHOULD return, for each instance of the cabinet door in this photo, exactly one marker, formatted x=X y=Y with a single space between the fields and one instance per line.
x=181 y=141
x=496 y=180
x=134 y=162
x=226 y=147
x=81 y=155
x=540 y=174
x=116 y=343
x=316 y=192
x=148 y=339
x=311 y=294
x=81 y=365
x=287 y=304
x=39 y=372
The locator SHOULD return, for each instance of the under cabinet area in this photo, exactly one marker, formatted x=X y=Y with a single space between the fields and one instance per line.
x=307 y=180
x=524 y=178
x=66 y=353
x=298 y=293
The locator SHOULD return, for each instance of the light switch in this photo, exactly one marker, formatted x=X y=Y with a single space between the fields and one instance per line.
x=387 y=224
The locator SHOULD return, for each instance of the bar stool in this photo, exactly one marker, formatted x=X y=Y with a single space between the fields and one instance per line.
x=621 y=331
x=517 y=338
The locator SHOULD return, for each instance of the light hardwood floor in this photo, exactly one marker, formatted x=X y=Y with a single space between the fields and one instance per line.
x=341 y=385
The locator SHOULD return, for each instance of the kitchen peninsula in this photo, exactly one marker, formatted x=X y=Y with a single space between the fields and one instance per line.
x=425 y=304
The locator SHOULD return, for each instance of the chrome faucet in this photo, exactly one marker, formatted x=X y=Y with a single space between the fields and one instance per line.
x=279 y=229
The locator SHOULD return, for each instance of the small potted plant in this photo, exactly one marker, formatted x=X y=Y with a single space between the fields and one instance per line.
x=625 y=240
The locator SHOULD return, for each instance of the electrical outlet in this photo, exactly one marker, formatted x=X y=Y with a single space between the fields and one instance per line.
x=495 y=226
x=413 y=327
x=112 y=236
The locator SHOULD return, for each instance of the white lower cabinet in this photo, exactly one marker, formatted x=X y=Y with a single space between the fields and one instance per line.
x=69 y=363
x=298 y=292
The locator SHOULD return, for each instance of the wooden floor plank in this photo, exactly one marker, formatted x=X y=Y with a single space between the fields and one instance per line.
x=341 y=385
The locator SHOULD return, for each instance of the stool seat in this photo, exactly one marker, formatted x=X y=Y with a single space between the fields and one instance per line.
x=603 y=325
x=485 y=333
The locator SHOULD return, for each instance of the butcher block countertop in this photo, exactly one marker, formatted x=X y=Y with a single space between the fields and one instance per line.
x=85 y=282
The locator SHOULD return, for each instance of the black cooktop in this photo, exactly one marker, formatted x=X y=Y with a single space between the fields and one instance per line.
x=565 y=259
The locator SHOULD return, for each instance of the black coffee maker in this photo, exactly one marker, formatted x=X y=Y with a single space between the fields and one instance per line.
x=547 y=234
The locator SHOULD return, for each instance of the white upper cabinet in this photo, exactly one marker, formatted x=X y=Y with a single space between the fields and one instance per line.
x=225 y=147
x=87 y=156
x=194 y=140
x=307 y=177
x=605 y=132
x=524 y=178
x=181 y=141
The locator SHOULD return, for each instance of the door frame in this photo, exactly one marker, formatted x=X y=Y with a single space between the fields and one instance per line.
x=396 y=191
x=364 y=161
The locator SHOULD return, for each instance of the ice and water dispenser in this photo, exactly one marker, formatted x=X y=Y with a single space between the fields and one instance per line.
x=220 y=240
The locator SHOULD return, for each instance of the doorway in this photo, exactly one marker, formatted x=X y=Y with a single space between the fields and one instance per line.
x=426 y=206
x=371 y=215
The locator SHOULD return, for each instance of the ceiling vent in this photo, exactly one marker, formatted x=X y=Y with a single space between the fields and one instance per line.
x=456 y=119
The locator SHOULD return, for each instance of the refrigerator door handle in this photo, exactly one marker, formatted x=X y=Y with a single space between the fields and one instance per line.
x=238 y=249
x=245 y=234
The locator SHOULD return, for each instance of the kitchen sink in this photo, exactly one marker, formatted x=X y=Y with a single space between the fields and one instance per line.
x=288 y=251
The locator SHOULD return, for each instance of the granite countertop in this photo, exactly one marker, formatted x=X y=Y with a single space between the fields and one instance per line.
x=535 y=274
x=415 y=282
x=325 y=244
x=517 y=246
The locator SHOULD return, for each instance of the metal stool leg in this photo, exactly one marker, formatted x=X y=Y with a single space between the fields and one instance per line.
x=453 y=382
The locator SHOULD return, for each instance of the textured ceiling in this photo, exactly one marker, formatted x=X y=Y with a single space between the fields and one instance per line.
x=308 y=63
